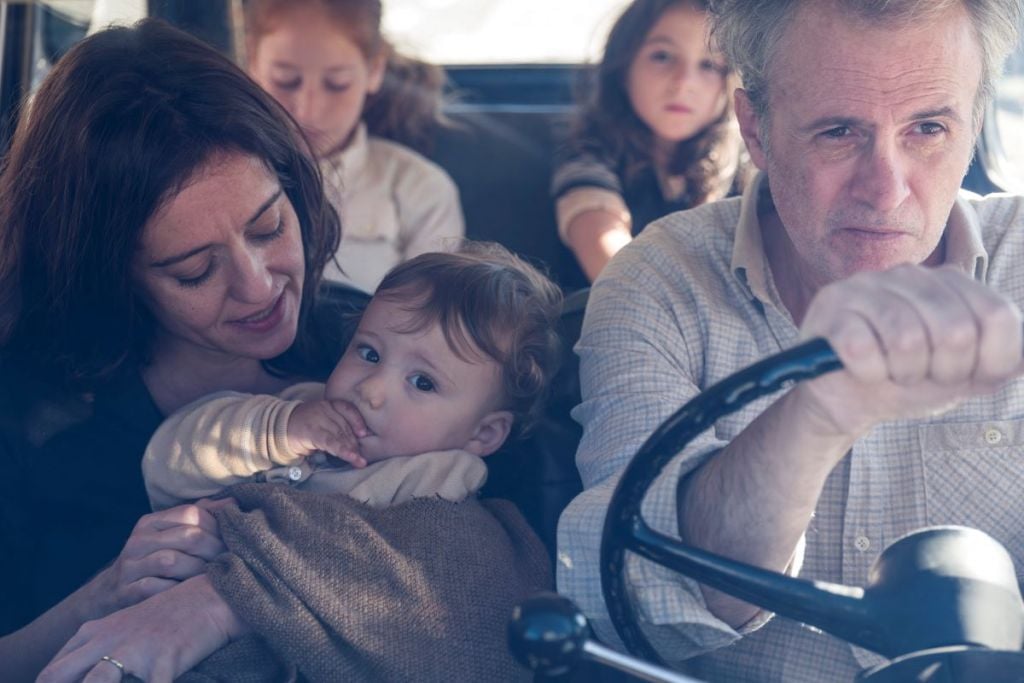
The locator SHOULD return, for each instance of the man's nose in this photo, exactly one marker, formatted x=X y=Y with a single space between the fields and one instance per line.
x=881 y=179
x=253 y=283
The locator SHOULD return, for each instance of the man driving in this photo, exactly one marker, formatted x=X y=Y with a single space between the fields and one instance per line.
x=862 y=117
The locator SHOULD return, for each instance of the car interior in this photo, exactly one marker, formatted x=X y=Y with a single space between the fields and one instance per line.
x=504 y=123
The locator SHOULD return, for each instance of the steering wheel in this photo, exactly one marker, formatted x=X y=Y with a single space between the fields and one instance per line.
x=625 y=529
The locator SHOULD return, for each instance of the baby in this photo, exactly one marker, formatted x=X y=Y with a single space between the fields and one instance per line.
x=453 y=353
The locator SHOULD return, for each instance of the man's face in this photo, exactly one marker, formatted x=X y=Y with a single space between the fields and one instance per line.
x=869 y=136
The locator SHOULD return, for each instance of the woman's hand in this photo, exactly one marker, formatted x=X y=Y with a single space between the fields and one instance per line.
x=156 y=640
x=163 y=549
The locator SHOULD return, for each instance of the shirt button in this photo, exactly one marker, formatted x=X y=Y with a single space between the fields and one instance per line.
x=862 y=543
x=993 y=436
x=565 y=559
x=295 y=473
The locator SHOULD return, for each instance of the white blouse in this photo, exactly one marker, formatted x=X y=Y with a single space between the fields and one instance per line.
x=394 y=204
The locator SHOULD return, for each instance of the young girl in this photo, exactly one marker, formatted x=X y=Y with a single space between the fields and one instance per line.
x=326 y=62
x=657 y=134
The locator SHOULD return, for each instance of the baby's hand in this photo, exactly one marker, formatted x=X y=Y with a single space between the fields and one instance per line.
x=330 y=426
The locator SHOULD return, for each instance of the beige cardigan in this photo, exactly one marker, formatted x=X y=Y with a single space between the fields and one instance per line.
x=229 y=438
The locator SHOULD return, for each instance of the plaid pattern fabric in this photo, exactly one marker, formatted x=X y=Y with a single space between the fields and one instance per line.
x=688 y=303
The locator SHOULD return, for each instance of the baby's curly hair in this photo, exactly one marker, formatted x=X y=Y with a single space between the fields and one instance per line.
x=488 y=300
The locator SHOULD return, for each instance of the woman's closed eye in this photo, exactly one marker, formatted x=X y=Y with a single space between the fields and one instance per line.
x=191 y=281
x=422 y=382
x=271 y=235
x=368 y=353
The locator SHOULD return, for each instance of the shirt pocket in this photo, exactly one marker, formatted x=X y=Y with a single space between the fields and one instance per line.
x=974 y=476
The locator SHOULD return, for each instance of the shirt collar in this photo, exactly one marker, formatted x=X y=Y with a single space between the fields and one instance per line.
x=964 y=247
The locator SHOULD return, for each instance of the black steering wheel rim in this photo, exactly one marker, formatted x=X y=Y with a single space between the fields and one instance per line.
x=624 y=527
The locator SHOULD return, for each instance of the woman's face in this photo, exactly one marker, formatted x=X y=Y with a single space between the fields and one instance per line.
x=317 y=73
x=676 y=83
x=221 y=263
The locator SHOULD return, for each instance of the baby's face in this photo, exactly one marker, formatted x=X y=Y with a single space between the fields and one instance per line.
x=415 y=394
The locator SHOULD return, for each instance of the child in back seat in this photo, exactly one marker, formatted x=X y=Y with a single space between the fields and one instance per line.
x=363 y=107
x=453 y=353
x=657 y=133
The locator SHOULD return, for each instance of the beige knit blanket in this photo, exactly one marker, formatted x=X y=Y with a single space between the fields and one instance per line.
x=339 y=591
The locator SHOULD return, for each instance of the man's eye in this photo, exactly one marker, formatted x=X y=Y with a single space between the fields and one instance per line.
x=368 y=353
x=931 y=128
x=422 y=383
x=837 y=133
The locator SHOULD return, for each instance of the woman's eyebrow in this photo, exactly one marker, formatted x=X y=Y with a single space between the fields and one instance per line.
x=264 y=206
x=171 y=260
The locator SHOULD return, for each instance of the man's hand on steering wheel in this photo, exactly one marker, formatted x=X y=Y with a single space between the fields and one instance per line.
x=913 y=341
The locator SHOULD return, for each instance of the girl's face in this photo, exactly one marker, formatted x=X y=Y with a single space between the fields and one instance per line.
x=676 y=83
x=221 y=264
x=318 y=73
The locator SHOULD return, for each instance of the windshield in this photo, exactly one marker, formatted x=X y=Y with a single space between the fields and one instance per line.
x=498 y=32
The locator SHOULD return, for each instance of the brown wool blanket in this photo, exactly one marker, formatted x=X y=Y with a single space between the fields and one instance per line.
x=338 y=591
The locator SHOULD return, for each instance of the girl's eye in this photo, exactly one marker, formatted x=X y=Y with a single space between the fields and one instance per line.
x=711 y=67
x=287 y=85
x=368 y=353
x=422 y=383
x=270 y=236
x=661 y=57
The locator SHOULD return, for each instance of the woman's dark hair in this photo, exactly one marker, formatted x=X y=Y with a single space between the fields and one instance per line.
x=487 y=301
x=122 y=122
x=407 y=108
x=607 y=126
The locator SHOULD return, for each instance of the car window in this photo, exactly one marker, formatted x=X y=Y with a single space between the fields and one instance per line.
x=1003 y=143
x=59 y=24
x=499 y=32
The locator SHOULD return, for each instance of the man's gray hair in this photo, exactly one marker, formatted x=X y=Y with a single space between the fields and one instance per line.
x=749 y=31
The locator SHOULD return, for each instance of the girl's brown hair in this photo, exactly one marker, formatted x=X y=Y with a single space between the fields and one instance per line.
x=607 y=126
x=407 y=107
x=122 y=122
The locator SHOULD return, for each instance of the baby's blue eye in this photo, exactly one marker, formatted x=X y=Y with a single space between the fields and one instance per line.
x=368 y=353
x=422 y=382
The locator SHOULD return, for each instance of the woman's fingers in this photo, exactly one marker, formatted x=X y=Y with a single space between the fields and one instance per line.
x=156 y=639
x=193 y=540
x=191 y=515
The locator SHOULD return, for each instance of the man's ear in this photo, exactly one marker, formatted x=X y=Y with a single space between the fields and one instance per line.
x=490 y=433
x=750 y=128
x=378 y=66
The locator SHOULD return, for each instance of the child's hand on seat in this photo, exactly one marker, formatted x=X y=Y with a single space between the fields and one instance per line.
x=330 y=426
